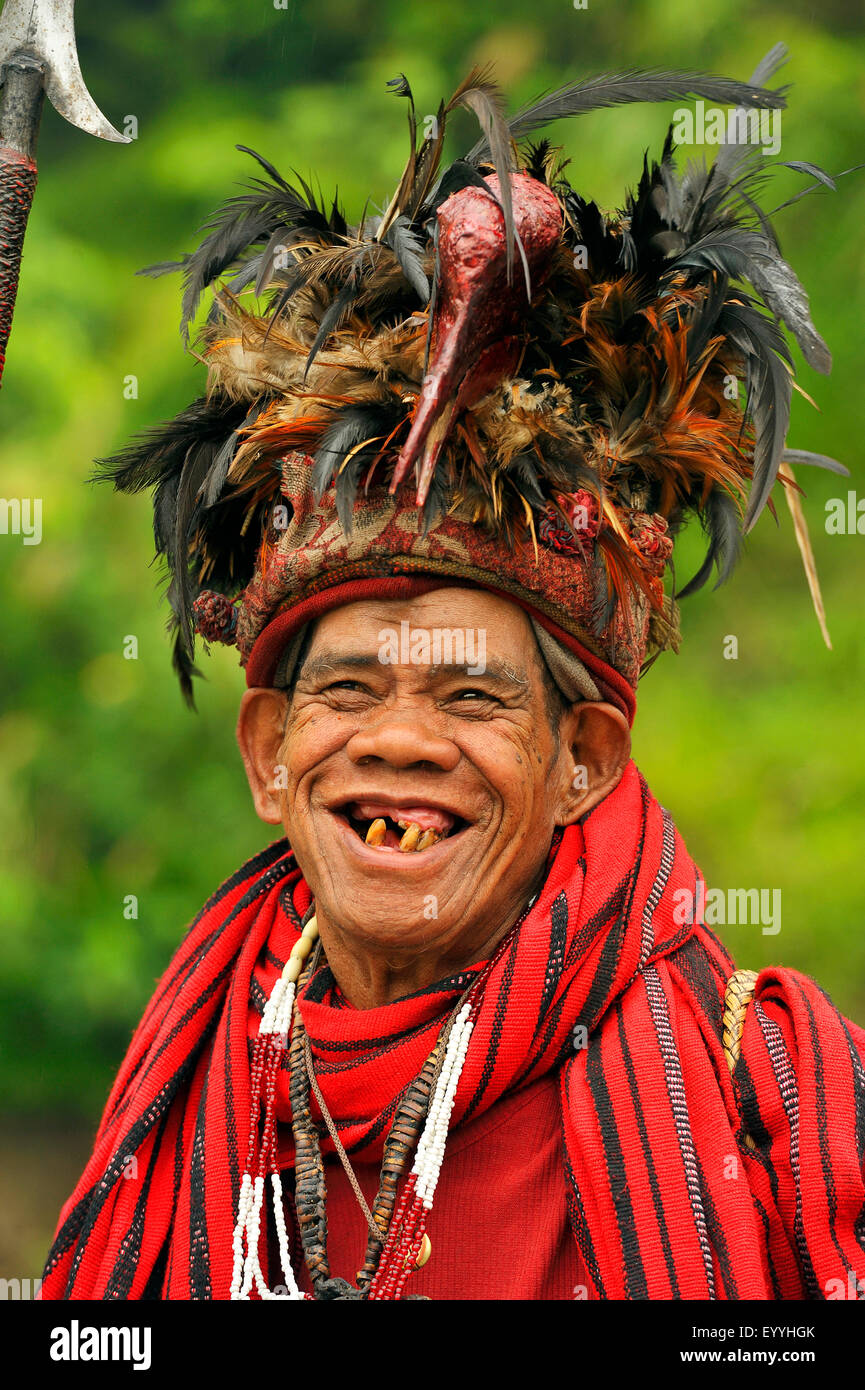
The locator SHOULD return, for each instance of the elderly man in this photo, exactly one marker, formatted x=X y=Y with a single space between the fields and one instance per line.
x=462 y=1032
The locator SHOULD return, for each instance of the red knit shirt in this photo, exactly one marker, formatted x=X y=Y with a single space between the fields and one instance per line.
x=499 y=1225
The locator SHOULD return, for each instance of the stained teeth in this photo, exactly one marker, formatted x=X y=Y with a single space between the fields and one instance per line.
x=410 y=838
x=414 y=838
x=376 y=833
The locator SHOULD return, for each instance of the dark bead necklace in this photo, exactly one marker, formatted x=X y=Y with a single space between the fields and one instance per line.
x=310 y=1187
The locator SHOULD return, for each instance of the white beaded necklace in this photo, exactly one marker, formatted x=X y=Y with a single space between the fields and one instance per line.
x=275 y=1024
x=273 y=1033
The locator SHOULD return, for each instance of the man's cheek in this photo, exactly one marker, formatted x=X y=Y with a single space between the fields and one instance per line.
x=310 y=743
x=287 y=776
x=297 y=756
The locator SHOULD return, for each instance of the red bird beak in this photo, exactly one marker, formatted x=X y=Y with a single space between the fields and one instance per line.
x=476 y=309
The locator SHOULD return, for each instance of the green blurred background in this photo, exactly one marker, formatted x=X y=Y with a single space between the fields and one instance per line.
x=108 y=785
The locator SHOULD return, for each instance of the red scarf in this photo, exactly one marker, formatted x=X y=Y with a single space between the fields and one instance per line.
x=662 y=1183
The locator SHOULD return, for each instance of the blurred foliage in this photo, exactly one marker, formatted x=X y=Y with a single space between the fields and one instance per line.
x=108 y=785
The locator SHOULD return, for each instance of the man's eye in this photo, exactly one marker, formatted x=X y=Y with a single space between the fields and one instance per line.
x=471 y=694
x=346 y=687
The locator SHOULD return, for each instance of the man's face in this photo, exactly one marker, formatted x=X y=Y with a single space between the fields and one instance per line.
x=470 y=759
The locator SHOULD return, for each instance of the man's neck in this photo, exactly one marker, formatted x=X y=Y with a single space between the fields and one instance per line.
x=370 y=979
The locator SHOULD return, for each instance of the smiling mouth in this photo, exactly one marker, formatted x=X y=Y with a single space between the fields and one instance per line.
x=409 y=829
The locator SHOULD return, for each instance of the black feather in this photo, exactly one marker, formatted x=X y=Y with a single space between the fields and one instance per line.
x=731 y=249
x=278 y=244
x=238 y=225
x=813 y=188
x=159 y=451
x=730 y=156
x=437 y=500
x=744 y=253
x=619 y=88
x=222 y=459
x=704 y=322
x=783 y=292
x=720 y=520
x=651 y=210
x=605 y=597
x=591 y=231
x=483 y=97
x=163 y=267
x=524 y=470
x=408 y=248
x=535 y=160
x=350 y=427
x=768 y=230
x=184 y=667
x=164 y=512
x=797 y=456
x=175 y=459
x=345 y=491
x=195 y=470
x=268 y=168
x=215 y=480
x=249 y=271
x=336 y=221
x=628 y=252
x=802 y=166
x=243 y=222
x=296 y=278
x=424 y=166
x=400 y=86
x=433 y=295
x=768 y=383
x=333 y=316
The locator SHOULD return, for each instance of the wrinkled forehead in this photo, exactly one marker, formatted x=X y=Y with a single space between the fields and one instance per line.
x=469 y=629
x=474 y=614
x=465 y=631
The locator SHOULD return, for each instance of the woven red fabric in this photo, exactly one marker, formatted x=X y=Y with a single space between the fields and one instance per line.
x=307 y=551
x=665 y=1196
x=502 y=1177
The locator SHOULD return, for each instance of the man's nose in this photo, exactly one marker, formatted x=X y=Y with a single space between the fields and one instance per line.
x=402 y=738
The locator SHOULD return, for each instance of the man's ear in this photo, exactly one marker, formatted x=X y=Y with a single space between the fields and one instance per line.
x=595 y=742
x=259 y=737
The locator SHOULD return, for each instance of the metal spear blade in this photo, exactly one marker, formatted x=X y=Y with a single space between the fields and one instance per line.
x=45 y=30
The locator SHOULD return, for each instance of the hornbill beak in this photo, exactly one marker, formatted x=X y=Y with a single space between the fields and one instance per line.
x=476 y=309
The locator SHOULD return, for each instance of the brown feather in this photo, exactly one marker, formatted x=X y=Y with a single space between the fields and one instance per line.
x=803 y=540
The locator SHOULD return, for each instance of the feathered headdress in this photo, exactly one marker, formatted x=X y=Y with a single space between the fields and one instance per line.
x=490 y=380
